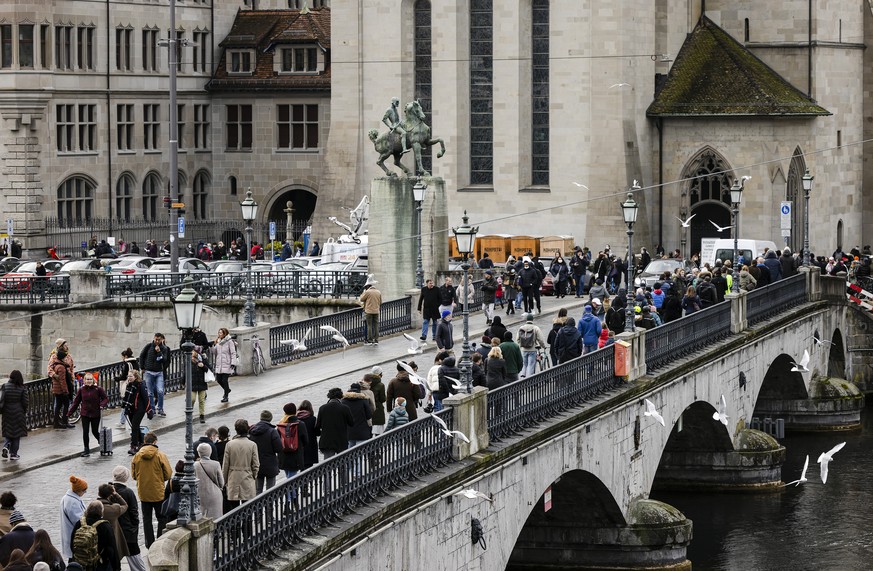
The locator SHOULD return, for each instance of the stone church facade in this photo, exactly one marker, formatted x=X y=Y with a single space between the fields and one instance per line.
x=531 y=96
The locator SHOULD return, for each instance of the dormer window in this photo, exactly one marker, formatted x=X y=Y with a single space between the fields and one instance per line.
x=303 y=59
x=240 y=61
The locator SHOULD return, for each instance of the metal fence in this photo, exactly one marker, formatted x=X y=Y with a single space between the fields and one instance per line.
x=329 y=490
x=763 y=303
x=684 y=336
x=51 y=289
x=394 y=316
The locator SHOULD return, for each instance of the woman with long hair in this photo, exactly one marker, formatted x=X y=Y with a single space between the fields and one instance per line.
x=691 y=301
x=130 y=363
x=14 y=411
x=306 y=415
x=91 y=398
x=225 y=357
x=136 y=404
x=43 y=550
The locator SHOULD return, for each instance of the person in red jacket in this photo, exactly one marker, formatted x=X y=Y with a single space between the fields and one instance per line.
x=91 y=398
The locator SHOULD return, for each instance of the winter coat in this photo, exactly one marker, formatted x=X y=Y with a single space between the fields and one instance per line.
x=568 y=343
x=398 y=417
x=15 y=402
x=224 y=354
x=60 y=371
x=20 y=537
x=136 y=399
x=209 y=486
x=672 y=308
x=129 y=520
x=401 y=386
x=497 y=328
x=589 y=328
x=429 y=302
x=91 y=399
x=444 y=340
x=495 y=373
x=378 y=389
x=489 y=290
x=269 y=443
x=560 y=271
x=150 y=468
x=747 y=282
x=310 y=451
x=658 y=298
x=112 y=512
x=528 y=277
x=359 y=405
x=539 y=339
x=774 y=265
x=447 y=369
x=240 y=468
x=289 y=460
x=764 y=278
x=72 y=508
x=691 y=304
x=371 y=300
x=332 y=426
x=447 y=295
x=788 y=264
x=459 y=292
x=106 y=546
x=512 y=355
x=152 y=360
x=721 y=287
x=479 y=379
x=198 y=376
x=553 y=334
x=597 y=291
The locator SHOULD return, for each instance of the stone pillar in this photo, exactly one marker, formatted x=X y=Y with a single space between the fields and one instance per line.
x=243 y=337
x=87 y=286
x=471 y=418
x=201 y=551
x=416 y=318
x=170 y=552
x=739 y=322
x=833 y=404
x=435 y=228
x=637 y=342
x=813 y=285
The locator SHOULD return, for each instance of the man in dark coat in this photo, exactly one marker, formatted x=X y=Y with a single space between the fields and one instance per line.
x=19 y=537
x=359 y=405
x=444 y=338
x=512 y=355
x=775 y=267
x=447 y=388
x=489 y=290
x=787 y=263
x=265 y=435
x=763 y=278
x=332 y=424
x=429 y=307
x=401 y=386
x=448 y=296
x=568 y=342
x=129 y=520
x=486 y=262
x=529 y=279
x=155 y=361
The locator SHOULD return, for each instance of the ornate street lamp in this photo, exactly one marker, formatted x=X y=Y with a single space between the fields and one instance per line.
x=188 y=308
x=629 y=210
x=736 y=199
x=249 y=214
x=465 y=237
x=807 y=188
x=418 y=190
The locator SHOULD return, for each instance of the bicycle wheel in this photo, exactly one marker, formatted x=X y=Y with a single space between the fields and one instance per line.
x=74 y=418
x=258 y=364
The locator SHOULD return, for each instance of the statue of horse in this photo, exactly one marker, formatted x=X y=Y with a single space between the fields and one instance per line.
x=388 y=144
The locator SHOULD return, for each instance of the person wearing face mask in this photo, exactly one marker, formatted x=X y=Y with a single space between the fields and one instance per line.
x=60 y=371
x=561 y=274
x=91 y=398
x=528 y=278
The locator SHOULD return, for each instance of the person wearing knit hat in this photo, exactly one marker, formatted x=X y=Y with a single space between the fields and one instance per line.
x=72 y=508
x=376 y=370
x=15 y=518
x=20 y=537
x=444 y=335
x=269 y=443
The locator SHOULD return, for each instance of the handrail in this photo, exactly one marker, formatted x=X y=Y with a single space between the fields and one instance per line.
x=773 y=299
x=25 y=289
x=683 y=336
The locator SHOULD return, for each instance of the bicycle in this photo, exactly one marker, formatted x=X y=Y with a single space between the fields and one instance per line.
x=258 y=363
x=543 y=360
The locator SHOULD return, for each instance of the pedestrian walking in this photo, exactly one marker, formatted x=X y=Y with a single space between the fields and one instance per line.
x=209 y=437
x=240 y=466
x=130 y=363
x=155 y=361
x=60 y=370
x=306 y=415
x=530 y=337
x=332 y=424
x=210 y=482
x=199 y=386
x=568 y=342
x=377 y=387
x=528 y=279
x=402 y=386
x=444 y=335
x=114 y=506
x=429 y=308
x=371 y=301
x=269 y=443
x=446 y=386
x=224 y=358
x=129 y=520
x=398 y=415
x=512 y=355
x=495 y=369
x=90 y=399
x=72 y=508
x=13 y=406
x=150 y=468
x=448 y=297
x=489 y=289
x=136 y=405
x=293 y=433
x=589 y=328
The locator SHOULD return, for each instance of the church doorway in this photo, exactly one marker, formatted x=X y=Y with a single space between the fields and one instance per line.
x=707 y=214
x=301 y=209
x=708 y=197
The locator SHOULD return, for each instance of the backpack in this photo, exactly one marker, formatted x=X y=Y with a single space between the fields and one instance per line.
x=526 y=338
x=288 y=432
x=84 y=546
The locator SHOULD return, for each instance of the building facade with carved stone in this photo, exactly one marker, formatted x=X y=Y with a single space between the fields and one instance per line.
x=530 y=96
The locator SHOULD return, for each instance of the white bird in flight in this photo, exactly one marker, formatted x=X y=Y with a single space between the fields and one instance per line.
x=337 y=336
x=825 y=458
x=473 y=494
x=416 y=347
x=455 y=382
x=614 y=85
x=802 y=366
x=802 y=474
x=820 y=342
x=413 y=376
x=580 y=185
x=687 y=222
x=720 y=228
x=721 y=415
x=653 y=412
x=298 y=345
x=450 y=433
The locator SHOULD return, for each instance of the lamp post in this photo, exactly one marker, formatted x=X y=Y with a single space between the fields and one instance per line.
x=465 y=236
x=629 y=209
x=249 y=214
x=188 y=307
x=418 y=190
x=736 y=198
x=807 y=188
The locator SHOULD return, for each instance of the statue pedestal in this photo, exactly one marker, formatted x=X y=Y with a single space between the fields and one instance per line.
x=393 y=236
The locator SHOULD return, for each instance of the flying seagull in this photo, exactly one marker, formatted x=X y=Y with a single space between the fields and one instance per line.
x=721 y=415
x=450 y=433
x=825 y=458
x=614 y=85
x=653 y=412
x=687 y=222
x=473 y=494
x=413 y=376
x=455 y=382
x=329 y=329
x=802 y=366
x=580 y=185
x=820 y=342
x=802 y=474
x=720 y=228
x=416 y=347
x=342 y=340
x=297 y=346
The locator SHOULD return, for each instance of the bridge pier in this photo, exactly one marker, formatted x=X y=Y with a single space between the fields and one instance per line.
x=833 y=404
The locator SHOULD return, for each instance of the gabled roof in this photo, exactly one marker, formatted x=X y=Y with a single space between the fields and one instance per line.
x=714 y=75
x=264 y=30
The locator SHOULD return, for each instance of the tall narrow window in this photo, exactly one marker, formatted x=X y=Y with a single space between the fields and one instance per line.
x=123 y=48
x=540 y=93
x=75 y=200
x=180 y=126
x=150 y=49
x=200 y=194
x=44 y=34
x=63 y=47
x=124 y=124
x=232 y=181
x=6 y=45
x=423 y=78
x=87 y=127
x=151 y=187
x=65 y=125
x=151 y=120
x=85 y=47
x=201 y=126
x=297 y=126
x=239 y=127
x=180 y=51
x=746 y=30
x=199 y=50
x=481 y=93
x=25 y=45
x=124 y=197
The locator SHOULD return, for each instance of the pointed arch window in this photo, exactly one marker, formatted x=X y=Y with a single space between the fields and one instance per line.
x=423 y=78
x=151 y=188
x=481 y=92
x=794 y=194
x=124 y=197
x=711 y=181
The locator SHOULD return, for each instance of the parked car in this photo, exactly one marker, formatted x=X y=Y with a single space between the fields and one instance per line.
x=656 y=268
x=130 y=264
x=84 y=264
x=229 y=278
x=21 y=277
x=7 y=264
x=333 y=278
x=158 y=277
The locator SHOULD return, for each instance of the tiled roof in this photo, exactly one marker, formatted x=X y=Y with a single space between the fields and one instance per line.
x=264 y=31
x=714 y=75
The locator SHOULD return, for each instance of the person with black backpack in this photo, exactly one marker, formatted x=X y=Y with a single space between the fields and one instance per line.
x=707 y=292
x=93 y=541
x=295 y=438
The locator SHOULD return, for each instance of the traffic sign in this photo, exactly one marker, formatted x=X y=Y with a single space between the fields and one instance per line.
x=178 y=205
x=181 y=226
x=785 y=215
x=9 y=226
x=272 y=230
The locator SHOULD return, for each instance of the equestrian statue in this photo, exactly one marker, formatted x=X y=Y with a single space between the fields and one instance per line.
x=412 y=134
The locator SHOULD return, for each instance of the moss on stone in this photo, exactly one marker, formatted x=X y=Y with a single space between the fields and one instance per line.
x=822 y=387
x=653 y=512
x=750 y=440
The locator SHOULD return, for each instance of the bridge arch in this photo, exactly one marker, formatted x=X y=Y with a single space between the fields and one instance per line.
x=781 y=383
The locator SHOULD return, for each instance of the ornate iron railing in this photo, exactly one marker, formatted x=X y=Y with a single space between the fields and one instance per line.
x=686 y=335
x=528 y=402
x=51 y=289
x=394 y=316
x=319 y=496
x=771 y=300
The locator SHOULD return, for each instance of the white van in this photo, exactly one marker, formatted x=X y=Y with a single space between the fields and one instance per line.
x=723 y=249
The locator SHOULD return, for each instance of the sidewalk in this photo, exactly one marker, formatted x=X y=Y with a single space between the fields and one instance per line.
x=46 y=446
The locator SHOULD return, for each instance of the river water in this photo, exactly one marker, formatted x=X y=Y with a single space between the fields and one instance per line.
x=811 y=527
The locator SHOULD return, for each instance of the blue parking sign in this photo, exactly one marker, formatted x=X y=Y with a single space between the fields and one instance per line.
x=272 y=230
x=181 y=226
